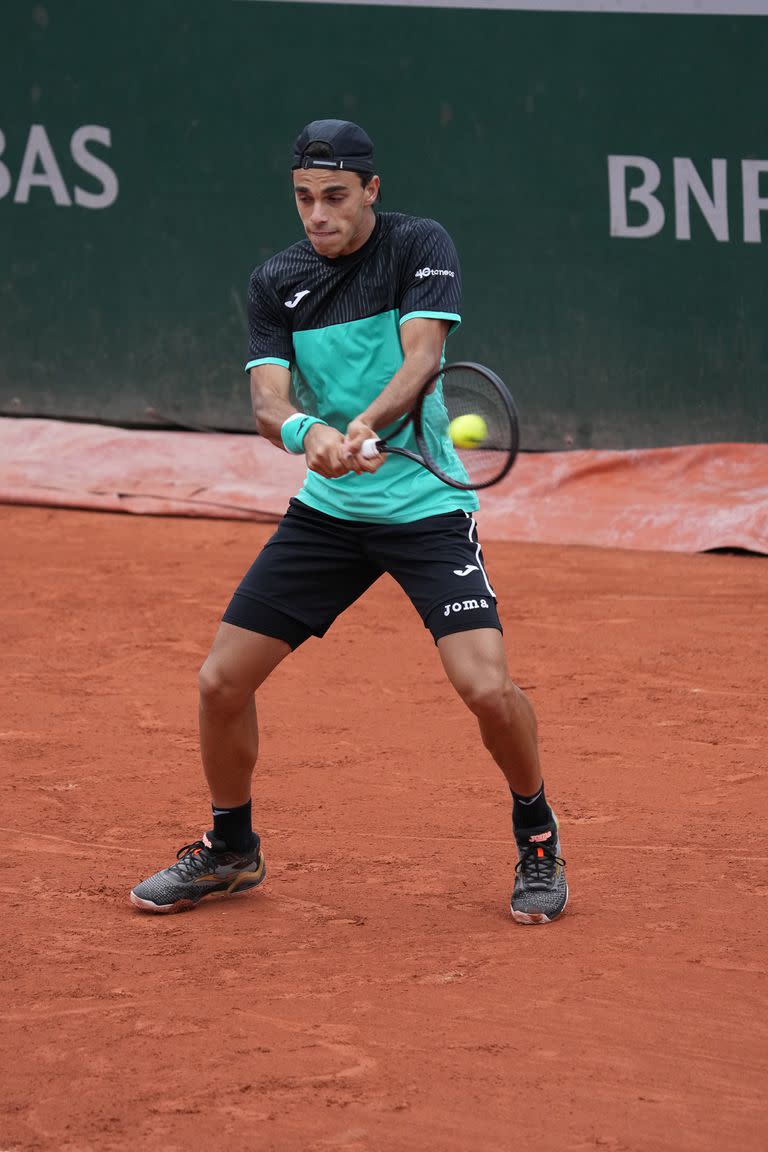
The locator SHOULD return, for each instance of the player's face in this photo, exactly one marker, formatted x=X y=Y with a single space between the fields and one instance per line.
x=335 y=209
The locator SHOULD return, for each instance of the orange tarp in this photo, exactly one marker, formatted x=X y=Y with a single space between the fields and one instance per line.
x=685 y=499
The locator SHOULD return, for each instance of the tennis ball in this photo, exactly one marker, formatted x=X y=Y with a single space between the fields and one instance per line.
x=468 y=431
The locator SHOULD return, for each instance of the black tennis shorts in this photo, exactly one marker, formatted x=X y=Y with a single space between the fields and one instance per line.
x=315 y=566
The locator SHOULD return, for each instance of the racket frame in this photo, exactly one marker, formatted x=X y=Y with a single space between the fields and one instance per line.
x=423 y=456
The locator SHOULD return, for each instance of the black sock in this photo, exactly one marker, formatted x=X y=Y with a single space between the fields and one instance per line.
x=233 y=826
x=530 y=811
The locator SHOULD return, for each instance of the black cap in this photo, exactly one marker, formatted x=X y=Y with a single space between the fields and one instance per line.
x=351 y=147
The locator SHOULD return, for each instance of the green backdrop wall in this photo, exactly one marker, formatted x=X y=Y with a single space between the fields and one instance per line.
x=144 y=156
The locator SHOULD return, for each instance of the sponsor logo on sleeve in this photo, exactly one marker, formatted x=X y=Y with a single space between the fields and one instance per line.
x=424 y=272
x=297 y=299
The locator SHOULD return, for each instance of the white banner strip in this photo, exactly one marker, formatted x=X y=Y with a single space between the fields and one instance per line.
x=648 y=7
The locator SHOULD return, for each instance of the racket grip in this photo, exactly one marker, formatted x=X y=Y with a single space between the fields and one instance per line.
x=369 y=449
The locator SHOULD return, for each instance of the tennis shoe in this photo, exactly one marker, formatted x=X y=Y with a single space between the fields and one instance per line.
x=541 y=891
x=201 y=869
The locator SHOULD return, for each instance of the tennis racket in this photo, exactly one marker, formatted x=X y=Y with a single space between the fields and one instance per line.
x=465 y=426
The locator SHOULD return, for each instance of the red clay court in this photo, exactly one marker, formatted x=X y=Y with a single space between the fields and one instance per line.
x=374 y=995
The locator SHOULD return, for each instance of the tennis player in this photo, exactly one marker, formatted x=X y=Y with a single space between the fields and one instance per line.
x=345 y=328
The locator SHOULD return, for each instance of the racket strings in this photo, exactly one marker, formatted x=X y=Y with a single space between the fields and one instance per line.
x=481 y=427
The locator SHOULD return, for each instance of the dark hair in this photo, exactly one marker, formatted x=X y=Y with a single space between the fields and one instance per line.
x=322 y=151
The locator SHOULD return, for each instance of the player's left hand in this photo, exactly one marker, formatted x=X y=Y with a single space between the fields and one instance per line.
x=357 y=432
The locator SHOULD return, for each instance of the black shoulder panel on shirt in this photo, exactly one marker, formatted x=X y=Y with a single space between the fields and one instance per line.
x=311 y=291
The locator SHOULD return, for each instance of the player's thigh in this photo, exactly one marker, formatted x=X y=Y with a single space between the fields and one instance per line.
x=306 y=575
x=475 y=662
x=239 y=661
x=439 y=563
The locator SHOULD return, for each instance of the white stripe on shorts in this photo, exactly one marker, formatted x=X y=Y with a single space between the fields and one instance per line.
x=473 y=540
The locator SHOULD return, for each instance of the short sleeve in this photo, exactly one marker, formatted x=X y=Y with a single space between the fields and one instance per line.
x=270 y=339
x=431 y=276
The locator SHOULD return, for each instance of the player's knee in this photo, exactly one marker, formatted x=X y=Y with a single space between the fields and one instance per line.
x=488 y=696
x=499 y=702
x=220 y=691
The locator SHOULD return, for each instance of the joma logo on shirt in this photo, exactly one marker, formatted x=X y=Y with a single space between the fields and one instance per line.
x=297 y=298
x=464 y=606
x=422 y=272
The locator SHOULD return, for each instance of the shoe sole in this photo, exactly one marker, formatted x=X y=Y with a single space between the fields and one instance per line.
x=537 y=917
x=240 y=883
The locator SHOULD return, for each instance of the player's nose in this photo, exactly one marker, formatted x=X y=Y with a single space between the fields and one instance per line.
x=318 y=215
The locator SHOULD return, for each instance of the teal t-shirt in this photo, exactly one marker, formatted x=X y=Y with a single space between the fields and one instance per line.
x=336 y=325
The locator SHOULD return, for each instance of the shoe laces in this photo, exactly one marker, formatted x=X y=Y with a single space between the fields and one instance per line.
x=537 y=865
x=194 y=857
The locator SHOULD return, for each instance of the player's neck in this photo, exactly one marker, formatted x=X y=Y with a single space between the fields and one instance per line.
x=362 y=236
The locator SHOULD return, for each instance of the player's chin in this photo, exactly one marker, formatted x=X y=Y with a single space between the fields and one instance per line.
x=325 y=243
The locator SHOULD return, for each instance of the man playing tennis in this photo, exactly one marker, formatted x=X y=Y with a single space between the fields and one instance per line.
x=356 y=318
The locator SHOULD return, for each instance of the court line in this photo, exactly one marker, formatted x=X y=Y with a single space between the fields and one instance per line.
x=25 y=834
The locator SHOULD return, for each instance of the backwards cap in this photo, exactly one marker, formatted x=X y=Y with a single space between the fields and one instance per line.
x=351 y=147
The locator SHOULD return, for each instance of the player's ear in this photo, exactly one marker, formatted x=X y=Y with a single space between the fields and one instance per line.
x=372 y=191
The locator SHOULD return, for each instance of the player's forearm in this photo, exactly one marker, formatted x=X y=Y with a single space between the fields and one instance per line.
x=270 y=389
x=400 y=394
x=270 y=413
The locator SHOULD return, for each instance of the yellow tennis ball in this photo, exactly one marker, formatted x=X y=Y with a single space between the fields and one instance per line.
x=468 y=431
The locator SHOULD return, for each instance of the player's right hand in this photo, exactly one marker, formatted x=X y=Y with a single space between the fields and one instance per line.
x=322 y=448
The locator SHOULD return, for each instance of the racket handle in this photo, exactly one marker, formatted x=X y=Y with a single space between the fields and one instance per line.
x=369 y=448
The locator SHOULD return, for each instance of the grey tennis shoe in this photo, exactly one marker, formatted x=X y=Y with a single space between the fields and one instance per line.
x=201 y=869
x=541 y=891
